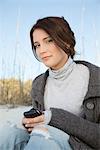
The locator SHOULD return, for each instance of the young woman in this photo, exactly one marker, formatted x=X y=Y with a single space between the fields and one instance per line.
x=68 y=94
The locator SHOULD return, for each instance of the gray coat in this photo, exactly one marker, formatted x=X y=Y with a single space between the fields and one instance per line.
x=84 y=130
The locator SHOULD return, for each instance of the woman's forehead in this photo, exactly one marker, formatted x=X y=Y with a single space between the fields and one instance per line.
x=40 y=34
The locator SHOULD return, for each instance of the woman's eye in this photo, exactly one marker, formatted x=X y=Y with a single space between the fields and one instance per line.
x=36 y=46
x=50 y=40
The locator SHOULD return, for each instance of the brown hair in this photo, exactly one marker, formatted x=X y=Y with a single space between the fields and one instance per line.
x=59 y=30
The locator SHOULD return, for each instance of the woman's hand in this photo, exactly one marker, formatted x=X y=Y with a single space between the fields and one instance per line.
x=30 y=123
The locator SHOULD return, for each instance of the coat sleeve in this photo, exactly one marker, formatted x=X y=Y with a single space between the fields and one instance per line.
x=78 y=127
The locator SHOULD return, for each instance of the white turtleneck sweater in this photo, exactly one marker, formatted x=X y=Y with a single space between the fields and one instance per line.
x=66 y=88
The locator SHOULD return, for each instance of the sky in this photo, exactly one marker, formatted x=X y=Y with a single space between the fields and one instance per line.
x=18 y=16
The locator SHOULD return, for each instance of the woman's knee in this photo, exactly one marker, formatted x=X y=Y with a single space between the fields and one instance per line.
x=12 y=136
x=8 y=132
x=39 y=142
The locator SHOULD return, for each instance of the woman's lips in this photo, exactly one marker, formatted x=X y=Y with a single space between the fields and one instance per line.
x=46 y=57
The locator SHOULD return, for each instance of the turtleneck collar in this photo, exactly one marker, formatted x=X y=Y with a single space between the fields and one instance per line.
x=63 y=72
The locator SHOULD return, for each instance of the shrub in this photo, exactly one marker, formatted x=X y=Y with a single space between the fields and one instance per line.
x=16 y=92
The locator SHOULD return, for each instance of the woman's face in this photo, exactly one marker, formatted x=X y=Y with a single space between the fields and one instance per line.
x=48 y=52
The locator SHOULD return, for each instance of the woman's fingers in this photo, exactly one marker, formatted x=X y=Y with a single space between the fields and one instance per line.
x=31 y=122
x=38 y=119
x=29 y=130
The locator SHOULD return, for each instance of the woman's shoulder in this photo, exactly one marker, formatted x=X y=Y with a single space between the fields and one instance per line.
x=86 y=63
x=94 y=72
x=92 y=67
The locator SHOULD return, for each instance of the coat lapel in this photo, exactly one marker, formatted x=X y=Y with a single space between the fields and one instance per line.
x=37 y=92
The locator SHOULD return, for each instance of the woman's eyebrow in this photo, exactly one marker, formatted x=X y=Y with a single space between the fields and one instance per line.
x=46 y=38
x=43 y=39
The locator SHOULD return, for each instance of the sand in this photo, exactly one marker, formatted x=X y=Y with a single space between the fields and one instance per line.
x=12 y=116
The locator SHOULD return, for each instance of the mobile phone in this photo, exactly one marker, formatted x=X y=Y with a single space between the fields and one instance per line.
x=32 y=113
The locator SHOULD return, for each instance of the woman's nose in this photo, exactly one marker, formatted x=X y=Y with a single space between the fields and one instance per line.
x=43 y=49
